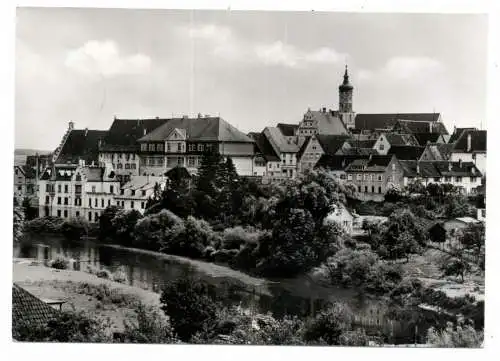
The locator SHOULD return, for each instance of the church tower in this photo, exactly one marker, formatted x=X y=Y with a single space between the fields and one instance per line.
x=345 y=101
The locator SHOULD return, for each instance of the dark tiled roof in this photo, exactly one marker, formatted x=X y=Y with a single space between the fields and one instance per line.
x=478 y=141
x=364 y=143
x=457 y=133
x=431 y=169
x=81 y=144
x=383 y=121
x=337 y=162
x=283 y=144
x=29 y=310
x=303 y=147
x=327 y=122
x=331 y=143
x=438 y=151
x=401 y=139
x=375 y=163
x=424 y=138
x=263 y=147
x=124 y=133
x=357 y=151
x=288 y=130
x=199 y=129
x=406 y=152
x=412 y=126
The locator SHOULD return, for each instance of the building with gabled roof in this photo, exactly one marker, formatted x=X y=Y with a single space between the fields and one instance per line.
x=471 y=147
x=437 y=151
x=286 y=148
x=135 y=193
x=317 y=145
x=457 y=132
x=426 y=138
x=373 y=176
x=266 y=161
x=387 y=140
x=407 y=126
x=464 y=175
x=288 y=130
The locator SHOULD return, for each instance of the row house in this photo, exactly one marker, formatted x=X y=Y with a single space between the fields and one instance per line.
x=183 y=141
x=437 y=151
x=135 y=193
x=120 y=148
x=266 y=162
x=286 y=149
x=70 y=191
x=317 y=145
x=372 y=177
x=464 y=175
x=336 y=165
x=24 y=182
x=471 y=147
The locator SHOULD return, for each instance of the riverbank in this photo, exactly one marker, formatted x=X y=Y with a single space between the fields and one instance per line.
x=79 y=290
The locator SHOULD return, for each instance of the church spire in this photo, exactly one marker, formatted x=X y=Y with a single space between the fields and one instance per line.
x=346 y=76
x=345 y=94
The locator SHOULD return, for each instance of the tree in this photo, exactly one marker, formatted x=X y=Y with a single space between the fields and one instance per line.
x=106 y=229
x=473 y=238
x=149 y=326
x=461 y=334
x=124 y=224
x=18 y=221
x=329 y=325
x=190 y=304
x=75 y=228
x=455 y=267
x=156 y=229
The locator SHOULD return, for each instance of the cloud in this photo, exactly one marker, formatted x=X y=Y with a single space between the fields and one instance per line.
x=210 y=31
x=415 y=69
x=104 y=58
x=277 y=53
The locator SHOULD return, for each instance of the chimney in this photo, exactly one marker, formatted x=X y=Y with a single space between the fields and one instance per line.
x=86 y=131
x=324 y=110
x=469 y=142
x=199 y=115
x=71 y=125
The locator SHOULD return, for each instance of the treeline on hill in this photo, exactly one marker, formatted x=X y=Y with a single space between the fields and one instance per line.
x=268 y=230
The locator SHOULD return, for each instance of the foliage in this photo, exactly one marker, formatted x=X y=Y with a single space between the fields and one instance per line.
x=461 y=334
x=155 y=229
x=44 y=225
x=120 y=275
x=149 y=326
x=190 y=305
x=74 y=228
x=29 y=211
x=237 y=237
x=104 y=293
x=59 y=263
x=351 y=267
x=106 y=228
x=123 y=224
x=357 y=337
x=453 y=266
x=473 y=238
x=18 y=221
x=329 y=325
x=65 y=327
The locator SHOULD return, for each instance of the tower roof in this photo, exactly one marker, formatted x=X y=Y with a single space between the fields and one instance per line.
x=346 y=85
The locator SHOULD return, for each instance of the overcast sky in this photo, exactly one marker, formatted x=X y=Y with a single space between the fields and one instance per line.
x=253 y=68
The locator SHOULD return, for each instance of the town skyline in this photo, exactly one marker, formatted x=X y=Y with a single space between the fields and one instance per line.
x=251 y=77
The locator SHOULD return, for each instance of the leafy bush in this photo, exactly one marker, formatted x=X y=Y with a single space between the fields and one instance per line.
x=59 y=263
x=235 y=238
x=105 y=294
x=74 y=228
x=123 y=225
x=329 y=325
x=190 y=305
x=461 y=334
x=103 y=273
x=65 y=327
x=148 y=326
x=154 y=229
x=44 y=225
x=120 y=275
x=357 y=337
x=351 y=267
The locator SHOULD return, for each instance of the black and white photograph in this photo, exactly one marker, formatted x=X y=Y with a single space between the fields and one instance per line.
x=249 y=177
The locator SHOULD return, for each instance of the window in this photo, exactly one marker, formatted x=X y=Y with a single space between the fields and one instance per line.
x=122 y=191
x=380 y=189
x=389 y=178
x=379 y=178
x=119 y=166
x=65 y=201
x=436 y=179
x=190 y=161
x=142 y=205
x=76 y=201
x=133 y=165
x=192 y=147
x=132 y=192
x=458 y=179
x=96 y=218
x=65 y=188
x=58 y=188
x=277 y=165
x=200 y=147
x=93 y=189
x=132 y=204
x=47 y=199
x=349 y=176
x=65 y=213
x=90 y=202
x=179 y=147
x=144 y=147
x=367 y=176
x=111 y=189
x=180 y=161
x=342 y=176
x=95 y=202
x=151 y=147
x=59 y=213
x=381 y=147
x=123 y=204
x=77 y=213
x=366 y=189
x=144 y=193
x=168 y=147
x=102 y=203
x=58 y=200
x=208 y=147
x=359 y=176
x=359 y=189
x=90 y=216
x=109 y=202
x=47 y=188
x=159 y=147
x=447 y=179
x=373 y=189
x=127 y=166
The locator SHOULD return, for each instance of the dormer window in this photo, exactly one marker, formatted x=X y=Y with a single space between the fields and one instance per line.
x=151 y=147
